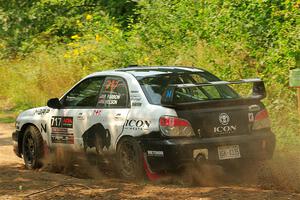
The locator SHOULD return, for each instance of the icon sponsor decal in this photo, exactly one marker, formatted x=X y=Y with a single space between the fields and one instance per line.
x=133 y=124
x=224 y=119
x=62 y=130
x=224 y=129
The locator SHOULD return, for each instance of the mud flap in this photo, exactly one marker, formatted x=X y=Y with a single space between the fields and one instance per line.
x=152 y=176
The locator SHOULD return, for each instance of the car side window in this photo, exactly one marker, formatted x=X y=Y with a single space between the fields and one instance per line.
x=114 y=94
x=85 y=94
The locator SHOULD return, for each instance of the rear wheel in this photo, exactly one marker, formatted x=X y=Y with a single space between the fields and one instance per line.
x=130 y=159
x=32 y=148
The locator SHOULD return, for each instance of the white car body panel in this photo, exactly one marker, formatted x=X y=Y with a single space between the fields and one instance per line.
x=140 y=119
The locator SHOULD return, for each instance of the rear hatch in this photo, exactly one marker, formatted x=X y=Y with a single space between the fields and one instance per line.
x=218 y=119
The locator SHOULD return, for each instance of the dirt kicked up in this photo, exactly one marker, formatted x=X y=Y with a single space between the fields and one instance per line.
x=276 y=179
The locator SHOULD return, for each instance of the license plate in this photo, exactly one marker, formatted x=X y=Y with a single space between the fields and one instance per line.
x=229 y=152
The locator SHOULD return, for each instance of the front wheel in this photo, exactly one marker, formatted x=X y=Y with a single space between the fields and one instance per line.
x=32 y=148
x=130 y=159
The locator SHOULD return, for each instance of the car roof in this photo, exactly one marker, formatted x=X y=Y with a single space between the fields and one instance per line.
x=144 y=71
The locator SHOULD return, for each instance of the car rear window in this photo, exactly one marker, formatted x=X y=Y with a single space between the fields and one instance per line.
x=155 y=86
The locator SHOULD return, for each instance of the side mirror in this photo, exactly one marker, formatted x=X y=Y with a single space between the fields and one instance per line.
x=54 y=103
x=167 y=98
x=259 y=90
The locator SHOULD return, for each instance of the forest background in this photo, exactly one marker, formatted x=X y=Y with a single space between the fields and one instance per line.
x=48 y=45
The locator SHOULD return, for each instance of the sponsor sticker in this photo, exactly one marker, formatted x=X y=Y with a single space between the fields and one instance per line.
x=64 y=122
x=111 y=85
x=135 y=97
x=67 y=122
x=109 y=99
x=155 y=153
x=62 y=130
x=221 y=130
x=251 y=117
x=224 y=120
x=136 y=104
x=97 y=112
x=134 y=124
x=42 y=111
x=62 y=135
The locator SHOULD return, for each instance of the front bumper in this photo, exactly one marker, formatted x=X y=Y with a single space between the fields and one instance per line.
x=172 y=153
x=16 y=145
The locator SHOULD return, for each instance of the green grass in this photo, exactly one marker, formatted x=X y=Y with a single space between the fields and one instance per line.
x=7 y=119
x=7 y=116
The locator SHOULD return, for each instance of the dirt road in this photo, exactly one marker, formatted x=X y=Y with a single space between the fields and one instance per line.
x=19 y=183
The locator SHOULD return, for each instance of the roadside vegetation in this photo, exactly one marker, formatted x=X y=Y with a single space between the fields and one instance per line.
x=46 y=46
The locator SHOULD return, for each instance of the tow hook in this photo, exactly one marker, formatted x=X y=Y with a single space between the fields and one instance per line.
x=200 y=155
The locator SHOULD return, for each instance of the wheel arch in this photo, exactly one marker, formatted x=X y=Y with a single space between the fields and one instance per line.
x=89 y=135
x=122 y=138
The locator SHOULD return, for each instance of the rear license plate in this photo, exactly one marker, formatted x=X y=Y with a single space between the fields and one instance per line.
x=229 y=152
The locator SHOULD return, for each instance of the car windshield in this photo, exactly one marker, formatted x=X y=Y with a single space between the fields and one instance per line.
x=155 y=86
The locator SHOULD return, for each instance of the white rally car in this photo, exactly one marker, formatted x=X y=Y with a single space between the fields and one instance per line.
x=152 y=118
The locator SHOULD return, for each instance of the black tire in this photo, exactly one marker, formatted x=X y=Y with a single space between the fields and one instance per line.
x=130 y=159
x=32 y=148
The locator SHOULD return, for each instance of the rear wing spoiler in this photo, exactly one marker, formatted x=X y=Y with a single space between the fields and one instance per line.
x=258 y=90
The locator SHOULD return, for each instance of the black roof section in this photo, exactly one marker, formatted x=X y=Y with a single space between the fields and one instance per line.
x=143 y=71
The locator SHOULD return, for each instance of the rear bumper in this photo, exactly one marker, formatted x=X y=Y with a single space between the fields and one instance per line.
x=170 y=154
x=16 y=145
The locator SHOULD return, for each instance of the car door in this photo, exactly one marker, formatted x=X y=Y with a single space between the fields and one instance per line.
x=78 y=105
x=114 y=105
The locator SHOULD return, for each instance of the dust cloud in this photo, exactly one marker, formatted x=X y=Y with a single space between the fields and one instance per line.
x=76 y=164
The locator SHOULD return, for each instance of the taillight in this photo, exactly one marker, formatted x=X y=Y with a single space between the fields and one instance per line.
x=174 y=126
x=261 y=120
